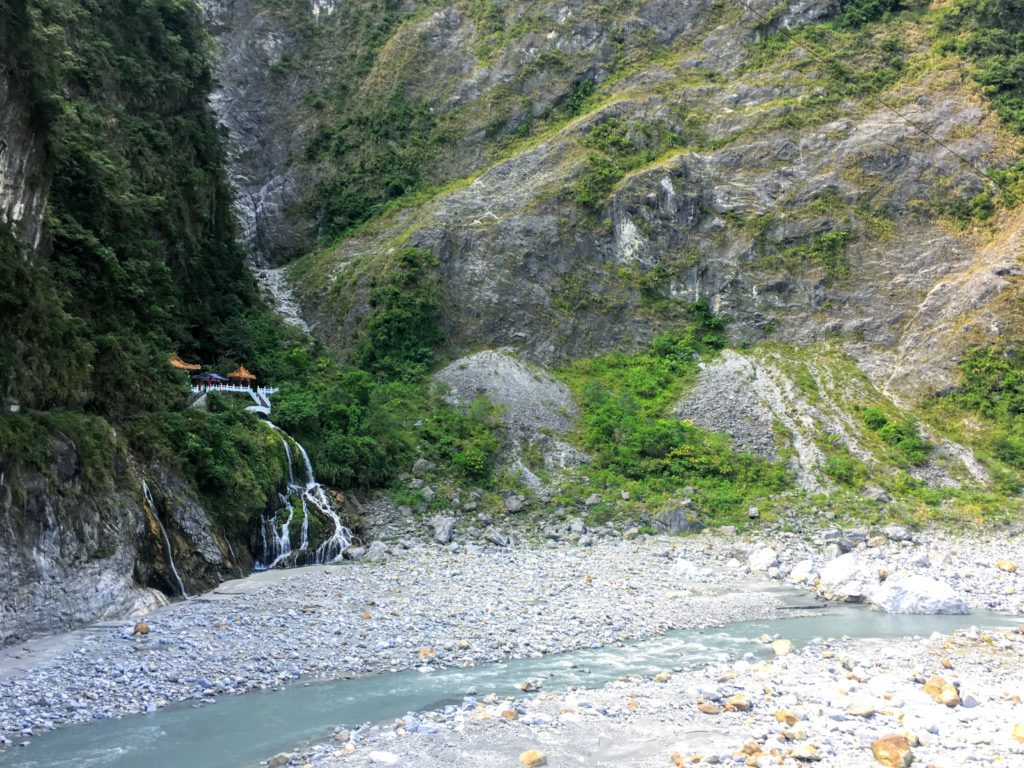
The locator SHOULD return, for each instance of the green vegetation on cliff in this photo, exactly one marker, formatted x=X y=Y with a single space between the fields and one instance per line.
x=990 y=34
x=638 y=445
x=142 y=262
x=986 y=410
x=142 y=258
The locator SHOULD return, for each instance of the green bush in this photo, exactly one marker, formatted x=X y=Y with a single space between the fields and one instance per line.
x=992 y=387
x=990 y=35
x=827 y=249
x=874 y=418
x=404 y=328
x=845 y=470
x=377 y=154
x=625 y=425
x=235 y=462
x=857 y=13
x=902 y=434
x=617 y=147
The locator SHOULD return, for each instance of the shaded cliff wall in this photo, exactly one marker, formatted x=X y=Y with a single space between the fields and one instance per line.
x=77 y=547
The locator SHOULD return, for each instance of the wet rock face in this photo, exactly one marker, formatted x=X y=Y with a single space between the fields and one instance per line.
x=24 y=185
x=73 y=553
x=68 y=556
x=257 y=104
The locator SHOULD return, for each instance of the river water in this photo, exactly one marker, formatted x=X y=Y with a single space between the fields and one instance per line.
x=239 y=731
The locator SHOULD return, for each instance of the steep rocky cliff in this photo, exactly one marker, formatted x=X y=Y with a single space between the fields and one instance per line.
x=603 y=195
x=24 y=181
x=827 y=175
x=117 y=248
x=803 y=202
x=77 y=548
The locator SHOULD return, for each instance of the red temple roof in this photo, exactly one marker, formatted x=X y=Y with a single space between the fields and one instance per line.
x=241 y=373
x=181 y=365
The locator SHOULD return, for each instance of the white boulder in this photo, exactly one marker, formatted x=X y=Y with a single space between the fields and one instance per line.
x=847 y=579
x=914 y=593
x=684 y=567
x=763 y=559
x=803 y=572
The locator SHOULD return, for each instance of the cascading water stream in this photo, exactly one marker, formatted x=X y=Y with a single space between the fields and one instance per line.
x=277 y=546
x=167 y=539
x=315 y=494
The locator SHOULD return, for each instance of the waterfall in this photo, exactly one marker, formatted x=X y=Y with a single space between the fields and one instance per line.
x=167 y=539
x=288 y=455
x=315 y=494
x=277 y=545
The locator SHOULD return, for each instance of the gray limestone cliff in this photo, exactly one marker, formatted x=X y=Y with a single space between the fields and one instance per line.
x=24 y=181
x=74 y=551
x=255 y=104
x=795 y=202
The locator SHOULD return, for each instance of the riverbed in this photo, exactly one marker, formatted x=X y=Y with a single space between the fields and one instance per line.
x=428 y=627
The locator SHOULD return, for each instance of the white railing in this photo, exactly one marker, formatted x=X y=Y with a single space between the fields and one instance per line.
x=260 y=395
x=265 y=391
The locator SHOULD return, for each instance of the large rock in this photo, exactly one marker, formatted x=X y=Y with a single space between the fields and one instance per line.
x=514 y=503
x=678 y=519
x=847 y=579
x=896 y=532
x=532 y=758
x=892 y=751
x=376 y=553
x=763 y=559
x=443 y=526
x=913 y=593
x=496 y=536
x=802 y=572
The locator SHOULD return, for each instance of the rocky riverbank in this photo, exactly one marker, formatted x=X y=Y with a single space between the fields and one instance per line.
x=425 y=605
x=831 y=703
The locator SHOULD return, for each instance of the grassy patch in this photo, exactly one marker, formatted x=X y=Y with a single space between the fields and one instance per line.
x=826 y=250
x=616 y=147
x=636 y=445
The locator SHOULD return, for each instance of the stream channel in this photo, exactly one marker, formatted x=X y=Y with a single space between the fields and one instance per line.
x=239 y=731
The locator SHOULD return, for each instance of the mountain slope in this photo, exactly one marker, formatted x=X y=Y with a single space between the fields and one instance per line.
x=734 y=166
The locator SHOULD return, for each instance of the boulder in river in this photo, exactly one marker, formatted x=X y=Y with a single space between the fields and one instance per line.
x=914 y=593
x=783 y=647
x=847 y=579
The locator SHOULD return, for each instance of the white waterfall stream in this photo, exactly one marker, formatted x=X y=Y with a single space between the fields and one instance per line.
x=167 y=539
x=278 y=546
